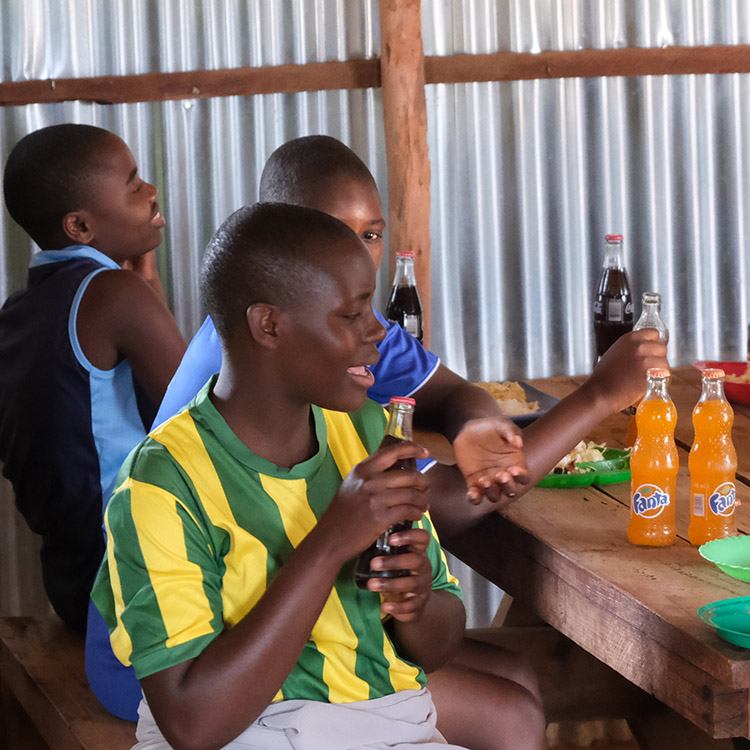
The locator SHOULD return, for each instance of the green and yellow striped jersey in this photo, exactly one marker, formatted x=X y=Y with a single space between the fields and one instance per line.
x=197 y=530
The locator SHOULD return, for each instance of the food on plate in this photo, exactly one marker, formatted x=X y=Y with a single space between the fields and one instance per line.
x=511 y=397
x=744 y=378
x=583 y=452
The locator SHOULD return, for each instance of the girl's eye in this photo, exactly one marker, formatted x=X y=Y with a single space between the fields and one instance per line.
x=353 y=316
x=370 y=236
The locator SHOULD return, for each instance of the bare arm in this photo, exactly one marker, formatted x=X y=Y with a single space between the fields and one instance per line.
x=446 y=402
x=122 y=317
x=618 y=380
x=243 y=668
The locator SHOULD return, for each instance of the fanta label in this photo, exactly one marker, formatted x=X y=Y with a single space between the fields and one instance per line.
x=649 y=500
x=723 y=499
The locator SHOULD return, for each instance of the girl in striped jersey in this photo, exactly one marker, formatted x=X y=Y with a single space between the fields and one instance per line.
x=233 y=533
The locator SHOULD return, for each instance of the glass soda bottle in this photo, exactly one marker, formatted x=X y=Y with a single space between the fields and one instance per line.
x=613 y=304
x=403 y=305
x=653 y=466
x=650 y=318
x=398 y=429
x=713 y=463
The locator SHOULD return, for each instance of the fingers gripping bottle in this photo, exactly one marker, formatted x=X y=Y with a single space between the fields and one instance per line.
x=404 y=306
x=713 y=463
x=653 y=466
x=613 y=304
x=650 y=318
x=398 y=429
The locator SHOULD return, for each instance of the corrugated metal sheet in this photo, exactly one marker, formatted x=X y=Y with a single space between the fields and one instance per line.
x=527 y=177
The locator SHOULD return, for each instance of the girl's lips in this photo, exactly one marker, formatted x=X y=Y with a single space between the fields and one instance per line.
x=362 y=376
x=158 y=220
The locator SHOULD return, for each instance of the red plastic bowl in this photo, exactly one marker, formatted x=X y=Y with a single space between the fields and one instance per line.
x=737 y=393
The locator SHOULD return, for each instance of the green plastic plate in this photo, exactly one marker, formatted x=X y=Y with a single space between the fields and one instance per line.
x=730 y=618
x=615 y=467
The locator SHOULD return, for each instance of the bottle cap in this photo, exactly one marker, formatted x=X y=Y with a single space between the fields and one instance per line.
x=657 y=372
x=403 y=400
x=613 y=237
x=405 y=254
x=713 y=374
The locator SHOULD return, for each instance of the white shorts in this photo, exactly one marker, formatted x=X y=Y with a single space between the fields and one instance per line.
x=401 y=721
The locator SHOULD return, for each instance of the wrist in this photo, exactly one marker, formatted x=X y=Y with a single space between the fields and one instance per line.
x=595 y=398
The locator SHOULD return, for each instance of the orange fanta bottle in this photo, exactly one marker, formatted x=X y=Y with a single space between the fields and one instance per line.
x=713 y=463
x=653 y=466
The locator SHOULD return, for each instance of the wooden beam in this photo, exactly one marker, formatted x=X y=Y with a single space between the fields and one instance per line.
x=355 y=74
x=589 y=63
x=199 y=84
x=405 y=118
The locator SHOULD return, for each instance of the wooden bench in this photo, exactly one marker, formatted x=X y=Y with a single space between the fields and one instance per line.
x=45 y=700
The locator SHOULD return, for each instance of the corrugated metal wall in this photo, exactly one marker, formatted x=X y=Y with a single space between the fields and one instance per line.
x=527 y=177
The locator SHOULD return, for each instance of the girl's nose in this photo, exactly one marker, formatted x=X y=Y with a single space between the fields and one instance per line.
x=375 y=331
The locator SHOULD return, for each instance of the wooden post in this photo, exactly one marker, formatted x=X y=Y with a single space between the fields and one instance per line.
x=405 y=116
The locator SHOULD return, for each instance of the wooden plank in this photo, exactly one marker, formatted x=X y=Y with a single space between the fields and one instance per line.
x=405 y=119
x=41 y=662
x=589 y=63
x=356 y=74
x=196 y=84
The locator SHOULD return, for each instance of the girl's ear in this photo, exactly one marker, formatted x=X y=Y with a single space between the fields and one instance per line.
x=77 y=226
x=263 y=322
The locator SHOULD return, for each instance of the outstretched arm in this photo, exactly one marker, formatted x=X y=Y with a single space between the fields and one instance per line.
x=617 y=381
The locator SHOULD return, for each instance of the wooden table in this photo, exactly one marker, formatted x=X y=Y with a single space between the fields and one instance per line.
x=564 y=554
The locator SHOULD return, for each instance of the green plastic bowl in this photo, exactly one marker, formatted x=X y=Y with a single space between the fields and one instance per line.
x=731 y=555
x=730 y=618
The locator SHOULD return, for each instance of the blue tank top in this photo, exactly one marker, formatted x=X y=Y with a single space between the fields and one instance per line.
x=65 y=426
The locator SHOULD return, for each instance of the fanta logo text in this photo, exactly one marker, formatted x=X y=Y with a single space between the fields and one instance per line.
x=649 y=501
x=723 y=499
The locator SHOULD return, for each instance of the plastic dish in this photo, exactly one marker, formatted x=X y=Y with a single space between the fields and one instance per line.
x=730 y=618
x=615 y=467
x=731 y=555
x=737 y=393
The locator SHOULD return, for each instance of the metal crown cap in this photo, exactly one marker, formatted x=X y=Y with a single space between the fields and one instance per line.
x=402 y=400
x=657 y=372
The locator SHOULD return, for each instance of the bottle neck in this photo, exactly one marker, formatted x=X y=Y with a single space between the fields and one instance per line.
x=405 y=275
x=613 y=255
x=712 y=389
x=400 y=421
x=656 y=390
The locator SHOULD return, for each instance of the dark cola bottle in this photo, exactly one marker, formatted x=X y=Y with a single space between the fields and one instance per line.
x=613 y=305
x=398 y=430
x=404 y=307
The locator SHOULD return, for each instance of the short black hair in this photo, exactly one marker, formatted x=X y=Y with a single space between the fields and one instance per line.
x=302 y=167
x=268 y=252
x=48 y=175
